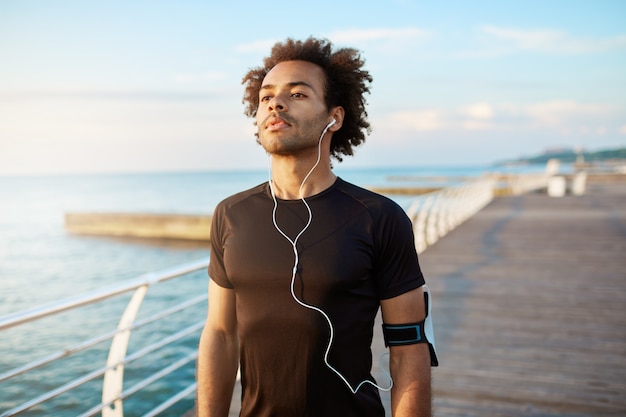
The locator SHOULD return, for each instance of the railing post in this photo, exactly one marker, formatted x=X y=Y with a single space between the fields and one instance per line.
x=420 y=225
x=432 y=221
x=114 y=377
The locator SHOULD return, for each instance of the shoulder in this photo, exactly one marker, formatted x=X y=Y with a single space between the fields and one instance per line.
x=376 y=204
x=241 y=198
x=387 y=218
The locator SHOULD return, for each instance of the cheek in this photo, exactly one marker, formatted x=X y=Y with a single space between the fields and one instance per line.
x=261 y=114
x=260 y=117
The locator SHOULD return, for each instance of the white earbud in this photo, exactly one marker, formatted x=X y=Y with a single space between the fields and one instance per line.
x=332 y=122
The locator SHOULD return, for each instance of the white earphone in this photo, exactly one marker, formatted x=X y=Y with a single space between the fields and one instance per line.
x=295 y=270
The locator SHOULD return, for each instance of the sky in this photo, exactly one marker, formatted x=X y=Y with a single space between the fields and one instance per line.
x=155 y=86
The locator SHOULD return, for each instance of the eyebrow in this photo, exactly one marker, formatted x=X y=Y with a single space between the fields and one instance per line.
x=290 y=85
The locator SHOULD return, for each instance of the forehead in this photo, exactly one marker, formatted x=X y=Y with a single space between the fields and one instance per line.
x=295 y=72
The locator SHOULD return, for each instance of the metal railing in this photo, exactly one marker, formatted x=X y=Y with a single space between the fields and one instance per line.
x=112 y=372
x=437 y=213
x=433 y=215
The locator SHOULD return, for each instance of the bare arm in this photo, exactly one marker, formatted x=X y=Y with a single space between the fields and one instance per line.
x=410 y=364
x=218 y=354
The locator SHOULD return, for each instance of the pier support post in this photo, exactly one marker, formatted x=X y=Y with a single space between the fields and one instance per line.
x=114 y=376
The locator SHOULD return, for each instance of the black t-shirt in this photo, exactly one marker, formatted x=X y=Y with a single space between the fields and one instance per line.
x=358 y=249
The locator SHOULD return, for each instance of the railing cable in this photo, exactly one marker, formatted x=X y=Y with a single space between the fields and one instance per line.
x=97 y=340
x=142 y=384
x=99 y=372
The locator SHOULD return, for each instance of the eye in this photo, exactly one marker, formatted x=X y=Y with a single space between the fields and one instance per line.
x=265 y=99
x=298 y=95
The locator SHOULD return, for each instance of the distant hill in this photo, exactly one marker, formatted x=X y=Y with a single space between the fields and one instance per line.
x=570 y=156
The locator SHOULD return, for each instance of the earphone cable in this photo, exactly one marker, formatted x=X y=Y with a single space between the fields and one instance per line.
x=295 y=270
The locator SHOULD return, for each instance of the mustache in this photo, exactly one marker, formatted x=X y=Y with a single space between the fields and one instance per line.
x=284 y=117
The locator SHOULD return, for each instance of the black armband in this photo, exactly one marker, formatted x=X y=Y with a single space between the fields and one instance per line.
x=412 y=333
x=408 y=334
x=404 y=334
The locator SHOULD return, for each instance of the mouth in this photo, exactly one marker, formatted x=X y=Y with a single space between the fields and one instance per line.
x=276 y=123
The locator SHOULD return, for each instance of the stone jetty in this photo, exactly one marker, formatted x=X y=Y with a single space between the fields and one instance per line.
x=140 y=225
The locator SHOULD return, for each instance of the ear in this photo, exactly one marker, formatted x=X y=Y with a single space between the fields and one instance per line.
x=337 y=113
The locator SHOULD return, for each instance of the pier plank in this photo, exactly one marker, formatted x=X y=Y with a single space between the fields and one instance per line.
x=529 y=300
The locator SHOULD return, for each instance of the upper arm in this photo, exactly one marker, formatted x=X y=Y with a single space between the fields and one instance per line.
x=404 y=308
x=409 y=365
x=222 y=314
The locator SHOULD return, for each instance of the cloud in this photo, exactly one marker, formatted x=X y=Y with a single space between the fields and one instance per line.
x=109 y=95
x=477 y=125
x=203 y=77
x=256 y=46
x=415 y=120
x=476 y=116
x=365 y=35
x=552 y=41
x=47 y=134
x=479 y=116
x=559 y=112
x=348 y=36
x=479 y=111
x=566 y=117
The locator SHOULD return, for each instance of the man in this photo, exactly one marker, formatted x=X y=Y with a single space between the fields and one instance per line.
x=301 y=264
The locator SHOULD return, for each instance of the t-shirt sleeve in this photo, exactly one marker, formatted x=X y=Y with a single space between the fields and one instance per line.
x=397 y=265
x=217 y=271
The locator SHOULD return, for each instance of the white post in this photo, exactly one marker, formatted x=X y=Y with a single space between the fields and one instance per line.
x=420 y=225
x=114 y=377
x=578 y=183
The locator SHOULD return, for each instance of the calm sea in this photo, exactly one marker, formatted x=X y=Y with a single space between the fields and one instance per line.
x=40 y=262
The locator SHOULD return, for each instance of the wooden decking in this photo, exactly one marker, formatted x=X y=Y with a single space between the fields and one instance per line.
x=530 y=308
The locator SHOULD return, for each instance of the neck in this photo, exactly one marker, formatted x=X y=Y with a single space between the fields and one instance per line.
x=288 y=176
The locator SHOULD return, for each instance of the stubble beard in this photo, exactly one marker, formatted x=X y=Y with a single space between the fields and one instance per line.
x=301 y=137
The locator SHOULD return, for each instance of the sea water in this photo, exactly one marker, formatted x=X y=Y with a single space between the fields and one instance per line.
x=40 y=262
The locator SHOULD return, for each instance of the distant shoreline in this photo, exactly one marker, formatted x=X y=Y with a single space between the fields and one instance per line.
x=615 y=156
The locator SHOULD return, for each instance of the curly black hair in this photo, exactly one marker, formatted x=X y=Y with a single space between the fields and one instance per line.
x=345 y=85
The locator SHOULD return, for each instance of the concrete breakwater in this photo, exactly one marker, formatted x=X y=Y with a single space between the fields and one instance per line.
x=142 y=225
x=198 y=227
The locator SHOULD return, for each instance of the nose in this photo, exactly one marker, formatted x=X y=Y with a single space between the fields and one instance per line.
x=277 y=103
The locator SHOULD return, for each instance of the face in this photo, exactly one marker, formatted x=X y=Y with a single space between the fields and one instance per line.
x=292 y=112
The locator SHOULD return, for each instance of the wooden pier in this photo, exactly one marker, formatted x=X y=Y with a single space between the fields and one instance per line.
x=530 y=307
